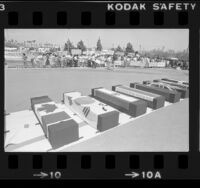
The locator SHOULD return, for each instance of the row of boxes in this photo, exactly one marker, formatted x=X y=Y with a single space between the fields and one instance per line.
x=180 y=87
x=102 y=110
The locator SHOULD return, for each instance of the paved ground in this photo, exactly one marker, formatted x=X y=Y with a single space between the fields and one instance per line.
x=22 y=84
x=163 y=130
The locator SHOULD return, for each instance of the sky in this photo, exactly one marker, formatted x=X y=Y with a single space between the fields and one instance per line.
x=175 y=39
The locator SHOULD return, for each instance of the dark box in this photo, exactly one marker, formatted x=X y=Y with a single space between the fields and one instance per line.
x=170 y=96
x=134 y=109
x=184 y=91
x=63 y=133
x=108 y=120
x=39 y=100
x=156 y=102
x=53 y=118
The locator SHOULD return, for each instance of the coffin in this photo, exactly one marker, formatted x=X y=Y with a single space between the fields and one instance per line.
x=98 y=115
x=130 y=105
x=175 y=81
x=183 y=89
x=154 y=101
x=170 y=96
x=58 y=126
x=39 y=100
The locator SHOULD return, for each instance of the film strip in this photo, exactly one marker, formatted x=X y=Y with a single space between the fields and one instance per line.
x=115 y=162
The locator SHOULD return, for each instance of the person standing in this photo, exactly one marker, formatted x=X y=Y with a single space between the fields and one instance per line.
x=25 y=60
x=47 y=61
x=32 y=62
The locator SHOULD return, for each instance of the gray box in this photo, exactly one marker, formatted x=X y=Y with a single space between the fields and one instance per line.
x=39 y=100
x=157 y=101
x=63 y=133
x=170 y=96
x=53 y=118
x=108 y=120
x=134 y=109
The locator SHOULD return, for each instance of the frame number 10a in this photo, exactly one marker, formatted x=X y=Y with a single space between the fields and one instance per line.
x=145 y=175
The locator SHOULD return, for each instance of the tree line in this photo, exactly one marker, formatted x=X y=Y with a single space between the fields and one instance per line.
x=160 y=53
x=80 y=45
x=155 y=53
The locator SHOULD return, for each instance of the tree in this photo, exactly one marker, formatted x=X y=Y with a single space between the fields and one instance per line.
x=68 y=46
x=31 y=48
x=129 y=48
x=99 y=46
x=114 y=57
x=81 y=46
x=119 y=49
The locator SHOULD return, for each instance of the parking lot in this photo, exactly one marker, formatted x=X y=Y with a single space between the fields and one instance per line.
x=22 y=84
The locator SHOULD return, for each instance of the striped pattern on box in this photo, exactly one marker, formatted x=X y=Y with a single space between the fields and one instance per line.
x=183 y=89
x=170 y=96
x=180 y=85
x=154 y=101
x=175 y=81
x=98 y=115
x=130 y=105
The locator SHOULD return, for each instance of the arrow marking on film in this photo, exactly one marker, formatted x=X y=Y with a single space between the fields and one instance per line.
x=41 y=175
x=133 y=174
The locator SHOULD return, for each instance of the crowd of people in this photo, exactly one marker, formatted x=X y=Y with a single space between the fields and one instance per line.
x=98 y=60
x=56 y=60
